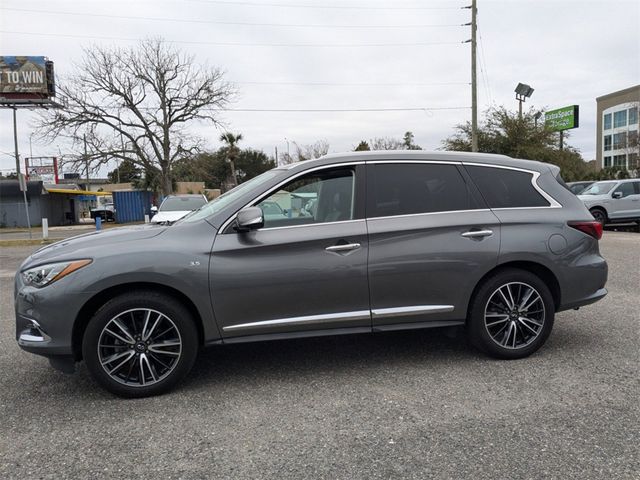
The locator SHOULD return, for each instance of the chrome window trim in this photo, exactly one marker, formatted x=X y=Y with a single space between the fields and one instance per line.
x=306 y=319
x=444 y=162
x=370 y=219
x=285 y=181
x=553 y=203
x=320 y=224
x=412 y=310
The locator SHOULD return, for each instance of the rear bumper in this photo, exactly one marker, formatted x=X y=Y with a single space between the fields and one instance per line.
x=593 y=298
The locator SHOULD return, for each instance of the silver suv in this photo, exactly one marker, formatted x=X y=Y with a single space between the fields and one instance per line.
x=392 y=241
x=613 y=201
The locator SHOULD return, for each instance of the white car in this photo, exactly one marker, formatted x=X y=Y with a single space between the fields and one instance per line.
x=613 y=201
x=174 y=207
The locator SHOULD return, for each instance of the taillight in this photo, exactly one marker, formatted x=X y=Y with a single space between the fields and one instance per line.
x=592 y=228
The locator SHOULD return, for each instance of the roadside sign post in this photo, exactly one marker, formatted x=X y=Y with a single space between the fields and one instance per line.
x=45 y=228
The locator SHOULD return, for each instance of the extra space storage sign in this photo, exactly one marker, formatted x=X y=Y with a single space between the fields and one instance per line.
x=563 y=118
x=23 y=75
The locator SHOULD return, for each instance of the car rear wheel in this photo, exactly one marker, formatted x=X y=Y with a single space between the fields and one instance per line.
x=511 y=314
x=140 y=344
x=599 y=214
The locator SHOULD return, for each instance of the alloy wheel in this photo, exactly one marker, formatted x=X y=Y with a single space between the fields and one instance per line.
x=514 y=315
x=139 y=347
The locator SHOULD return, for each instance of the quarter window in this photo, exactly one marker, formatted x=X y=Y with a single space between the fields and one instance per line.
x=505 y=188
x=412 y=188
x=607 y=121
x=620 y=119
x=318 y=197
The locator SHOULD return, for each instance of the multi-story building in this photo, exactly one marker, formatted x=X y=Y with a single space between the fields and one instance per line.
x=617 y=129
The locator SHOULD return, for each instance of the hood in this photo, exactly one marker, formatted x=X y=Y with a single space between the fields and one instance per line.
x=82 y=245
x=169 y=216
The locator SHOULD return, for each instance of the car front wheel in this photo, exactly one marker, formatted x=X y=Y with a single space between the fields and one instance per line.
x=140 y=344
x=511 y=314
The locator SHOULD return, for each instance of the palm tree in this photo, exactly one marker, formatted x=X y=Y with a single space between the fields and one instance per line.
x=232 y=151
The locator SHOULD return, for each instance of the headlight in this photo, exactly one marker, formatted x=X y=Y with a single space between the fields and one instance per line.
x=45 y=274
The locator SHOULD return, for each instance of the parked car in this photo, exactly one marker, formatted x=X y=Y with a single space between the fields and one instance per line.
x=613 y=201
x=174 y=207
x=106 y=212
x=577 y=187
x=397 y=240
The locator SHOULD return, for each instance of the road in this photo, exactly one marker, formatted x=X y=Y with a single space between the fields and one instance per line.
x=399 y=405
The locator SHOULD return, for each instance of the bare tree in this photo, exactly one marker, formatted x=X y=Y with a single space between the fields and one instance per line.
x=136 y=104
x=305 y=152
x=386 y=143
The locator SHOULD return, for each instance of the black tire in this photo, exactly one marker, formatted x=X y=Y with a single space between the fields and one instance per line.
x=600 y=215
x=175 y=360
x=484 y=332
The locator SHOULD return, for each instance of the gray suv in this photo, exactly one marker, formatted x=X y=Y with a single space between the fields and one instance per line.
x=393 y=241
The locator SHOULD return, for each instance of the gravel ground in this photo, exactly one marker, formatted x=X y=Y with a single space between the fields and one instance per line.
x=399 y=405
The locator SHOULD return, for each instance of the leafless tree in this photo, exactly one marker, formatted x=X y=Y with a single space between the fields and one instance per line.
x=136 y=103
x=305 y=152
x=386 y=143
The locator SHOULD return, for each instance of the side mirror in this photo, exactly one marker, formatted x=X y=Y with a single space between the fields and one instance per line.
x=249 y=218
x=617 y=195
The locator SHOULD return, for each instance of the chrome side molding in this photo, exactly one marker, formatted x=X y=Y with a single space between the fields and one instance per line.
x=344 y=316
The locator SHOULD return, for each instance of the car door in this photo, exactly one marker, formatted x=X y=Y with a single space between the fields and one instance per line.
x=628 y=205
x=305 y=270
x=430 y=241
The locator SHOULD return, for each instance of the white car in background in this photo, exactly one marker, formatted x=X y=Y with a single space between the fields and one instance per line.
x=174 y=207
x=613 y=201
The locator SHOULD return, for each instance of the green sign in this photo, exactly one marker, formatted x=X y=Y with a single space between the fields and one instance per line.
x=563 y=118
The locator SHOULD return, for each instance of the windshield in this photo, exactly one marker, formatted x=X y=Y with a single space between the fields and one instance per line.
x=217 y=204
x=181 y=204
x=599 y=188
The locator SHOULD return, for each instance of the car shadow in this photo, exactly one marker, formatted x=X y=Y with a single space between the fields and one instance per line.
x=336 y=355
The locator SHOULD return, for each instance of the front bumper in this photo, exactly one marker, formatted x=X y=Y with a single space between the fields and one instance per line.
x=45 y=317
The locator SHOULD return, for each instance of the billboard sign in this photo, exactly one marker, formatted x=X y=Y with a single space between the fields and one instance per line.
x=24 y=74
x=564 y=118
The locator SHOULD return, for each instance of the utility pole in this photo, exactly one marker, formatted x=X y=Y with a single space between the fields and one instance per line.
x=22 y=181
x=474 y=83
x=86 y=160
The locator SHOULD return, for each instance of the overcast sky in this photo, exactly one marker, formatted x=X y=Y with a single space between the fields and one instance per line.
x=570 y=52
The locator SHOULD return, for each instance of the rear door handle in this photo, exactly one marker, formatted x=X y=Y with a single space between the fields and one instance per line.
x=477 y=233
x=343 y=248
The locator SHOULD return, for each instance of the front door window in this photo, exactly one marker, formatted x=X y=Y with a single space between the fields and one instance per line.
x=318 y=197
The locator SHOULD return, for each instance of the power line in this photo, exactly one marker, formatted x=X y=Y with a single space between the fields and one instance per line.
x=319 y=110
x=234 y=44
x=220 y=22
x=334 y=7
x=331 y=84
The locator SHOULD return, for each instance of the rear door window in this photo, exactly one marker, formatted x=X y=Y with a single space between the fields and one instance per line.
x=505 y=188
x=413 y=188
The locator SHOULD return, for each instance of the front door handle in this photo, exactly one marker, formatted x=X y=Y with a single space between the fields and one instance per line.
x=477 y=233
x=343 y=248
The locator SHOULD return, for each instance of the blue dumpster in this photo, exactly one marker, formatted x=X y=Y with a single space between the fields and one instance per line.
x=132 y=206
